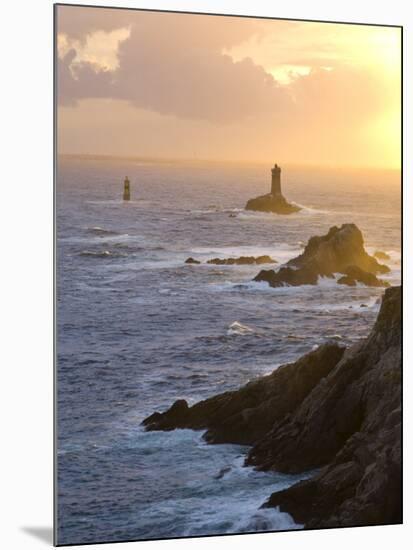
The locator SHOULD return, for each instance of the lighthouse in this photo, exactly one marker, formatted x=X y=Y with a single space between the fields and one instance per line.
x=275 y=200
x=126 y=189
x=276 y=180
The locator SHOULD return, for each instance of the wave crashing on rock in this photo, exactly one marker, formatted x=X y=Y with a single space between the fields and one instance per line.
x=334 y=408
x=341 y=250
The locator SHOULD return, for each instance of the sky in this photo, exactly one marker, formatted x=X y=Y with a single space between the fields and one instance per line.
x=180 y=86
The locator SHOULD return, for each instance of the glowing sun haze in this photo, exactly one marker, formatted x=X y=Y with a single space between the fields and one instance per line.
x=142 y=84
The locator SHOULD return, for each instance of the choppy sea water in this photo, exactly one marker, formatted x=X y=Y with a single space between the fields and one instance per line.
x=137 y=328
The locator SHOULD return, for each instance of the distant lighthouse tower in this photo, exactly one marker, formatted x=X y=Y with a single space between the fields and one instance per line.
x=276 y=180
x=126 y=189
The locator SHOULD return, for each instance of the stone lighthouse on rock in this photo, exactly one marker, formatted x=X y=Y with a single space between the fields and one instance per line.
x=126 y=189
x=276 y=180
x=274 y=201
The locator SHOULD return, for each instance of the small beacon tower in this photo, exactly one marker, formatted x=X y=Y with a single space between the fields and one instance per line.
x=276 y=180
x=126 y=189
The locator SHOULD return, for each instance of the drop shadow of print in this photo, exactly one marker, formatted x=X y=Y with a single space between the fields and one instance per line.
x=45 y=534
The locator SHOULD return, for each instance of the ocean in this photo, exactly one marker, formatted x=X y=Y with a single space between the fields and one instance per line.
x=137 y=328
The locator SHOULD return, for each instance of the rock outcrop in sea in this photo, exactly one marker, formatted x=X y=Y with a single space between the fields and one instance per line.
x=242 y=260
x=336 y=410
x=380 y=255
x=274 y=201
x=341 y=250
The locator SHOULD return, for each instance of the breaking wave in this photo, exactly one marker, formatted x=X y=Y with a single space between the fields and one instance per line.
x=238 y=329
x=102 y=254
x=100 y=231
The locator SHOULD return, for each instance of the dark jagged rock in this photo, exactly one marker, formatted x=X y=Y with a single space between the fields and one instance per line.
x=222 y=472
x=288 y=276
x=346 y=280
x=351 y=424
x=341 y=250
x=192 y=261
x=275 y=201
x=381 y=255
x=245 y=415
x=336 y=410
x=334 y=252
x=243 y=260
x=276 y=204
x=354 y=274
x=176 y=417
x=361 y=276
x=265 y=260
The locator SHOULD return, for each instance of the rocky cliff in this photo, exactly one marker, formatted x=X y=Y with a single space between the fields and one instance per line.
x=351 y=425
x=335 y=410
x=244 y=416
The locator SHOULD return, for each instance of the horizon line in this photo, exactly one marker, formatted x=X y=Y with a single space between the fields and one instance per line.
x=170 y=160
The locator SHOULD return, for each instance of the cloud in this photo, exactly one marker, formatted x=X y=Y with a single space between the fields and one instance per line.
x=176 y=79
x=79 y=21
x=174 y=65
x=99 y=48
x=341 y=96
x=215 y=32
x=80 y=82
x=178 y=65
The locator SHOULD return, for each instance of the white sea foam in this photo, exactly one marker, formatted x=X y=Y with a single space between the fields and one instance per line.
x=395 y=256
x=118 y=202
x=102 y=254
x=263 y=287
x=305 y=211
x=263 y=216
x=215 y=209
x=219 y=495
x=309 y=210
x=238 y=329
x=97 y=230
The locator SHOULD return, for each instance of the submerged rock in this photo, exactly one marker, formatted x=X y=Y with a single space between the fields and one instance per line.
x=222 y=472
x=341 y=250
